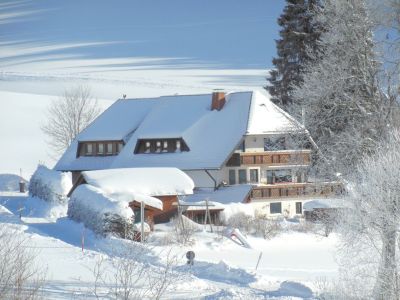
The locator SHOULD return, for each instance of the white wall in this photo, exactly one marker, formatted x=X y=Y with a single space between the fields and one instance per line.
x=202 y=179
x=262 y=207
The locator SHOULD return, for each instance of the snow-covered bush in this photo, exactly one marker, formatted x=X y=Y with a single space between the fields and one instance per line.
x=101 y=213
x=50 y=185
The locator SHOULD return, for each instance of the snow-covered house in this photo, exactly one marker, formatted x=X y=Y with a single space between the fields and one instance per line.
x=121 y=191
x=218 y=139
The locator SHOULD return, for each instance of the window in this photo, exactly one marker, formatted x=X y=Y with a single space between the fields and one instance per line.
x=242 y=176
x=109 y=148
x=299 y=208
x=241 y=146
x=232 y=177
x=89 y=149
x=119 y=147
x=275 y=208
x=283 y=176
x=100 y=149
x=165 y=146
x=147 y=147
x=274 y=143
x=254 y=175
x=158 y=146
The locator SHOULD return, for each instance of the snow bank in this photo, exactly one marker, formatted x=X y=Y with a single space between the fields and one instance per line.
x=50 y=185
x=10 y=182
x=325 y=203
x=100 y=212
x=142 y=181
x=235 y=208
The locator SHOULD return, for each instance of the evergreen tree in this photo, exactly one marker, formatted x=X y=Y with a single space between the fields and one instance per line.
x=299 y=36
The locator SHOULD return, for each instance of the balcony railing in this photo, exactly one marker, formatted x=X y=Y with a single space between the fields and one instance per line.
x=271 y=158
x=296 y=190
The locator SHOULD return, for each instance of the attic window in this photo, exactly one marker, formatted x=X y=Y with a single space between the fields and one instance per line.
x=169 y=145
x=99 y=148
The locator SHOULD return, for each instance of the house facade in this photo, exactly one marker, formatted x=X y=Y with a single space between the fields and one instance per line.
x=219 y=140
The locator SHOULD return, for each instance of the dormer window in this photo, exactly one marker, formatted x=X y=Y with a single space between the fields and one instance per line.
x=99 y=148
x=159 y=146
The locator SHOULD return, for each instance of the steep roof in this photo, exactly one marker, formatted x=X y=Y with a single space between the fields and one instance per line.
x=211 y=135
x=267 y=118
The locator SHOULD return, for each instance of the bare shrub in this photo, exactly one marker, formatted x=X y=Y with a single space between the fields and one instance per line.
x=259 y=225
x=184 y=229
x=241 y=221
x=128 y=274
x=19 y=276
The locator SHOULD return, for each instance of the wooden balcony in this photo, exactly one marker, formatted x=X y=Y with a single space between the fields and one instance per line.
x=271 y=158
x=296 y=190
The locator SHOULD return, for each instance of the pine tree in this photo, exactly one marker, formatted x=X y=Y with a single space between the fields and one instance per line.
x=299 y=36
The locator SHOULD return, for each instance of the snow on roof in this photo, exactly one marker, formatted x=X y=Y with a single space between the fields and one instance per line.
x=223 y=195
x=325 y=203
x=267 y=118
x=211 y=135
x=141 y=181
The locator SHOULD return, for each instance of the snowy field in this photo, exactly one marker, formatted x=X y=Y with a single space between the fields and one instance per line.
x=290 y=266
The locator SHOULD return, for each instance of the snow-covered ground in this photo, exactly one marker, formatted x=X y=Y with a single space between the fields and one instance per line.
x=290 y=264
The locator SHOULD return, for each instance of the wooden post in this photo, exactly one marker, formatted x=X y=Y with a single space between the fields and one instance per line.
x=208 y=215
x=142 y=222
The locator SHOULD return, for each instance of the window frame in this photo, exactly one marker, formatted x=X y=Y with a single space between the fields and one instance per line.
x=273 y=210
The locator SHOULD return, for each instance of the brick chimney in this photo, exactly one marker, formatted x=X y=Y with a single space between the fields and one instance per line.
x=218 y=100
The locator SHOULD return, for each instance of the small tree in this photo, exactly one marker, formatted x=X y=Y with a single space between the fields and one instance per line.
x=68 y=116
x=371 y=228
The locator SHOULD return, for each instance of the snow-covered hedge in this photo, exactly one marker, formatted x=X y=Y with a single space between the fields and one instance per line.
x=101 y=213
x=50 y=185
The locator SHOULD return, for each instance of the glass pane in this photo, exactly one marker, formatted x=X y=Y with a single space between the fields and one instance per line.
x=109 y=148
x=232 y=177
x=89 y=148
x=275 y=208
x=274 y=143
x=299 y=208
x=120 y=147
x=100 y=148
x=242 y=176
x=254 y=175
x=283 y=176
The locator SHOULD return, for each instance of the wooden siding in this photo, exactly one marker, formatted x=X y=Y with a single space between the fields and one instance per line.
x=295 y=190
x=270 y=158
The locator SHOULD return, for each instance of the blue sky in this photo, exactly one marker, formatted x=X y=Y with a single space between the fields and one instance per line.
x=211 y=33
